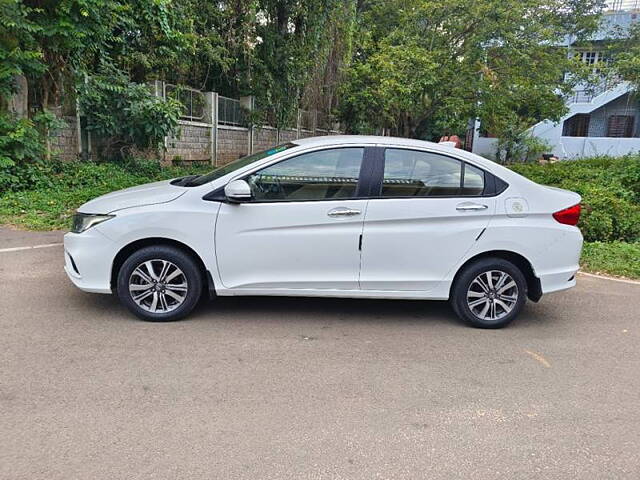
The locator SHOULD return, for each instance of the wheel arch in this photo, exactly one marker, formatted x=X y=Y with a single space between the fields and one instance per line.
x=132 y=247
x=534 y=287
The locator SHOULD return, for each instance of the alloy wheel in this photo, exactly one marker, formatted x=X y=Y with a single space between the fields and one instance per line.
x=158 y=286
x=492 y=295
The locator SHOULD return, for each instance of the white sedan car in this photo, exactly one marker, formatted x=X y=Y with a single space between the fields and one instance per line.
x=336 y=216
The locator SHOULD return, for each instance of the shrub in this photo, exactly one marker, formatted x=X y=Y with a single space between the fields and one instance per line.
x=73 y=183
x=125 y=115
x=22 y=151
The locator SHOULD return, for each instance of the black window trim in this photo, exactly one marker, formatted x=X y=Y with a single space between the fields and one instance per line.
x=369 y=183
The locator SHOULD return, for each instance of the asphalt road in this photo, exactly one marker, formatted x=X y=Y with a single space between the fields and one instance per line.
x=255 y=388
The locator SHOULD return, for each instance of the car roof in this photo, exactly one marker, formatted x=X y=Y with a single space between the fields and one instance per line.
x=363 y=139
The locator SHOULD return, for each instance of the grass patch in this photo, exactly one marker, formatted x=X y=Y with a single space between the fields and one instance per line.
x=613 y=258
x=51 y=206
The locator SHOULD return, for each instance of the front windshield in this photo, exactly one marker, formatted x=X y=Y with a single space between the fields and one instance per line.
x=236 y=164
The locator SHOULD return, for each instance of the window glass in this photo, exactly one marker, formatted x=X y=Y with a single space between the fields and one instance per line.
x=620 y=126
x=473 y=180
x=320 y=175
x=577 y=126
x=411 y=173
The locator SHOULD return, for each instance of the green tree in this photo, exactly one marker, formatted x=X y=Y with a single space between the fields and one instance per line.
x=291 y=40
x=422 y=68
x=19 y=53
x=625 y=54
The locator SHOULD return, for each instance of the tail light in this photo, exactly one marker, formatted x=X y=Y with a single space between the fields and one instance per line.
x=568 y=216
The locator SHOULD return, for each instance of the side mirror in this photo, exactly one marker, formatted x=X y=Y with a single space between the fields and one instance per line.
x=237 y=191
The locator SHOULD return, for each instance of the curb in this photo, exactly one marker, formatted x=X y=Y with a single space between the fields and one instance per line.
x=613 y=279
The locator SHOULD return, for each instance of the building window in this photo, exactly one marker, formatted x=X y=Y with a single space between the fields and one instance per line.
x=577 y=126
x=620 y=126
x=589 y=57
x=597 y=59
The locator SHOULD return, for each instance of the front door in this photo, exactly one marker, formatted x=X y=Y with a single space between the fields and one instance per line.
x=302 y=228
x=425 y=216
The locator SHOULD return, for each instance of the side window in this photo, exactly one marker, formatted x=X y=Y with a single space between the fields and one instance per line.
x=321 y=175
x=411 y=173
x=473 y=181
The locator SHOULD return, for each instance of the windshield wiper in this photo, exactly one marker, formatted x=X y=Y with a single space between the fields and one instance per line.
x=184 y=181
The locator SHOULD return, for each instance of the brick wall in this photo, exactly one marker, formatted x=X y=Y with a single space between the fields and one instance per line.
x=192 y=143
x=288 y=135
x=306 y=133
x=233 y=143
x=264 y=138
x=64 y=141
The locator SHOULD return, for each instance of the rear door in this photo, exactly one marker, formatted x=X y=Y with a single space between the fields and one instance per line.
x=426 y=212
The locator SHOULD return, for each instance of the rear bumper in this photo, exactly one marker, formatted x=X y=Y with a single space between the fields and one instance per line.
x=557 y=267
x=88 y=257
x=562 y=280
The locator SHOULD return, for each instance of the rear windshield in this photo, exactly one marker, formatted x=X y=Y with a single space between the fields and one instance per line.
x=237 y=164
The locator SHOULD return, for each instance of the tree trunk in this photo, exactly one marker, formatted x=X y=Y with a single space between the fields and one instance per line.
x=19 y=102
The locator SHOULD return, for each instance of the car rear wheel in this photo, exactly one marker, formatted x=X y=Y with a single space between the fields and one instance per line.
x=489 y=293
x=159 y=283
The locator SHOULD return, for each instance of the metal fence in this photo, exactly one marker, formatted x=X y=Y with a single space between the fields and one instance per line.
x=192 y=100
x=586 y=95
x=306 y=119
x=230 y=112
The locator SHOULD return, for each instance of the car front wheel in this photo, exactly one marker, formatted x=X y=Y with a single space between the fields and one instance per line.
x=489 y=293
x=159 y=283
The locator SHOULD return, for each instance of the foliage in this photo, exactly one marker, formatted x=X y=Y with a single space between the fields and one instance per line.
x=424 y=67
x=70 y=185
x=516 y=144
x=126 y=115
x=614 y=258
x=68 y=35
x=289 y=38
x=610 y=189
x=18 y=51
x=268 y=48
x=625 y=57
x=22 y=150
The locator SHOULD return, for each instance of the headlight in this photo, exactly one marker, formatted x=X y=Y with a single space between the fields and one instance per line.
x=84 y=221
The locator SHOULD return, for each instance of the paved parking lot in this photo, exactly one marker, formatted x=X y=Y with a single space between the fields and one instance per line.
x=267 y=388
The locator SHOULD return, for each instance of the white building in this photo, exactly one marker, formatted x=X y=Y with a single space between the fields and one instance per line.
x=603 y=120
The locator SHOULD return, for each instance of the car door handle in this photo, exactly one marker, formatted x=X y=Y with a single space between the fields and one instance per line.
x=469 y=207
x=343 y=212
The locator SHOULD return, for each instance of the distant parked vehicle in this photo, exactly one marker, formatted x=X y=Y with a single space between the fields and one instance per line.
x=347 y=216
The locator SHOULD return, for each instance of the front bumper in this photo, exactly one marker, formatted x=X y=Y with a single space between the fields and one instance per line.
x=88 y=258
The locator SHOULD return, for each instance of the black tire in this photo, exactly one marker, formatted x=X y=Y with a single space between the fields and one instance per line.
x=471 y=272
x=190 y=274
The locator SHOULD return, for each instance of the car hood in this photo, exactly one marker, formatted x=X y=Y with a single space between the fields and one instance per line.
x=148 y=194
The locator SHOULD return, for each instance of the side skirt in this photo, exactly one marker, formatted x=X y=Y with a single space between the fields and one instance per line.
x=291 y=292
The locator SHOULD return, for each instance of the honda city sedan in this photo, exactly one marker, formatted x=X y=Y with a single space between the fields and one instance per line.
x=333 y=216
